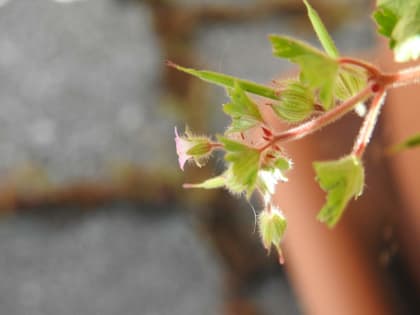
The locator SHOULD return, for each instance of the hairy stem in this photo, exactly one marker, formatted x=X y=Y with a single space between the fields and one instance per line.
x=365 y=133
x=401 y=78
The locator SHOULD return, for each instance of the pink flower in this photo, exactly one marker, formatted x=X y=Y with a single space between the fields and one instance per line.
x=183 y=145
x=192 y=147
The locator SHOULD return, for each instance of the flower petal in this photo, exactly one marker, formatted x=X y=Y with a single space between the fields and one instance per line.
x=182 y=146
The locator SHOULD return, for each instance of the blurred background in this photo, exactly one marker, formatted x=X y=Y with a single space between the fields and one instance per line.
x=93 y=216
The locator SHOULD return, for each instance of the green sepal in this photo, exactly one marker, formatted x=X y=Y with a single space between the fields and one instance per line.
x=343 y=180
x=229 y=81
x=211 y=183
x=201 y=148
x=318 y=70
x=283 y=163
x=321 y=31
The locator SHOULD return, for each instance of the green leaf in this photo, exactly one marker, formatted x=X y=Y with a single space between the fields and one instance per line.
x=399 y=20
x=317 y=69
x=228 y=81
x=244 y=165
x=240 y=124
x=342 y=180
x=321 y=31
x=232 y=145
x=244 y=112
x=411 y=142
x=242 y=103
x=386 y=20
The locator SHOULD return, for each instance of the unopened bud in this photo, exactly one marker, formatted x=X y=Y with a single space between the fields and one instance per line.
x=272 y=225
x=349 y=82
x=296 y=102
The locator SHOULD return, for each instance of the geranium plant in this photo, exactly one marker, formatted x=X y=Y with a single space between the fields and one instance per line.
x=328 y=87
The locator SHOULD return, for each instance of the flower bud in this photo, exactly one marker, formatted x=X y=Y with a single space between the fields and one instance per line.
x=192 y=147
x=296 y=102
x=349 y=82
x=272 y=225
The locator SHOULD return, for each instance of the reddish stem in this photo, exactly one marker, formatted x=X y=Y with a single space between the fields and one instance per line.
x=379 y=83
x=373 y=71
x=401 y=78
x=365 y=133
x=216 y=145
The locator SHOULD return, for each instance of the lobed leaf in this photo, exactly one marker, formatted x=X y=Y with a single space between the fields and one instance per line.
x=343 y=180
x=244 y=165
x=317 y=69
x=399 y=21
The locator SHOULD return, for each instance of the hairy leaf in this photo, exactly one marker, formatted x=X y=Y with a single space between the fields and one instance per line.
x=244 y=166
x=399 y=20
x=342 y=180
x=317 y=69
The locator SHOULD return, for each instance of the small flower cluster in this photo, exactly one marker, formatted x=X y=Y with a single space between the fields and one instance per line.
x=259 y=167
x=308 y=102
x=248 y=169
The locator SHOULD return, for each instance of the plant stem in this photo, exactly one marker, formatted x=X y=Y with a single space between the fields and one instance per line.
x=401 y=78
x=320 y=121
x=365 y=133
x=373 y=71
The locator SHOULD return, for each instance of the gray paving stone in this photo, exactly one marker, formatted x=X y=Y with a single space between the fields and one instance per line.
x=79 y=87
x=113 y=261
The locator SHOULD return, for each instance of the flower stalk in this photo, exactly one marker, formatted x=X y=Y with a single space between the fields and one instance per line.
x=365 y=133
